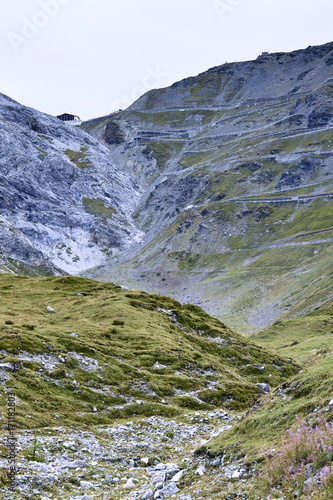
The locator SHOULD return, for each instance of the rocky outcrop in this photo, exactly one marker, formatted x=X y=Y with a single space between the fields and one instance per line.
x=113 y=133
x=297 y=174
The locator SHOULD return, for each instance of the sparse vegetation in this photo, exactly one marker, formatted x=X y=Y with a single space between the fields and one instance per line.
x=97 y=206
x=79 y=158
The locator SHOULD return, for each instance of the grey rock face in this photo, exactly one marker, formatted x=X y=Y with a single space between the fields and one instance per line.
x=62 y=200
x=296 y=175
x=168 y=490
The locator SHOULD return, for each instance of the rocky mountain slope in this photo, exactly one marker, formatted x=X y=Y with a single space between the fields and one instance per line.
x=63 y=203
x=236 y=167
x=107 y=353
x=216 y=190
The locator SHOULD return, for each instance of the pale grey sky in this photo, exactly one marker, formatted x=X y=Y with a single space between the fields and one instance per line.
x=89 y=57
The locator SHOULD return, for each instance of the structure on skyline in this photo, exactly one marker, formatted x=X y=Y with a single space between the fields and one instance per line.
x=70 y=119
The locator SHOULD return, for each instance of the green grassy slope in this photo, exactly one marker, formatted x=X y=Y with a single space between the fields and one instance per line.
x=309 y=342
x=127 y=357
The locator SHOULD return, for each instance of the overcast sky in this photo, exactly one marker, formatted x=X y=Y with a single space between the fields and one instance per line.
x=89 y=57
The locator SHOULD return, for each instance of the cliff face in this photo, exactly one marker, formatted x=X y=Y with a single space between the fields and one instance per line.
x=63 y=203
x=216 y=190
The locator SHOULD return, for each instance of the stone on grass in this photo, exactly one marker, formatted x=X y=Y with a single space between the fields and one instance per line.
x=147 y=495
x=264 y=387
x=177 y=477
x=73 y=334
x=130 y=483
x=200 y=471
x=85 y=485
x=169 y=489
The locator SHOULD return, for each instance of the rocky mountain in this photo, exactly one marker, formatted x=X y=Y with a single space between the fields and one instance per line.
x=216 y=190
x=235 y=166
x=63 y=203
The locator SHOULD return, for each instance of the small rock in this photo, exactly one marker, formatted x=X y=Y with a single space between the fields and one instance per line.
x=49 y=309
x=69 y=444
x=200 y=471
x=132 y=463
x=159 y=365
x=160 y=467
x=130 y=483
x=41 y=467
x=144 y=461
x=172 y=469
x=80 y=463
x=85 y=485
x=331 y=402
x=169 y=489
x=74 y=464
x=73 y=334
x=264 y=387
x=147 y=495
x=6 y=366
x=159 y=486
x=177 y=477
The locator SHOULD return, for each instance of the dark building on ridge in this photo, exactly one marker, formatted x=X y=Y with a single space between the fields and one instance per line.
x=66 y=117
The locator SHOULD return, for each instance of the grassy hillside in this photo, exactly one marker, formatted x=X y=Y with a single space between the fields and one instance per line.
x=309 y=341
x=104 y=352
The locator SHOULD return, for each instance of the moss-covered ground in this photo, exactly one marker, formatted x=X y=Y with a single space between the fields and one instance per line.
x=79 y=158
